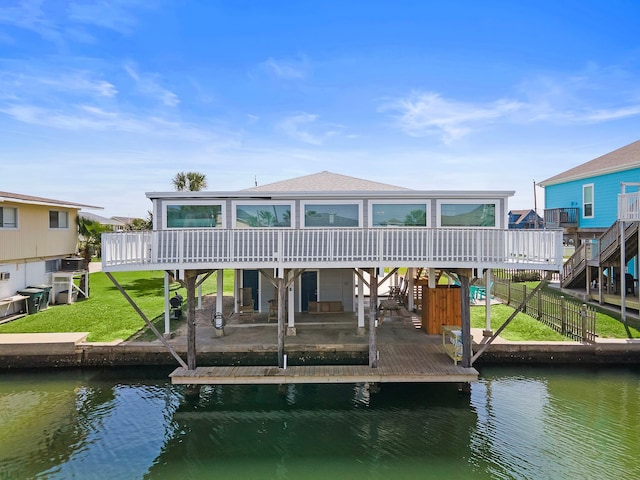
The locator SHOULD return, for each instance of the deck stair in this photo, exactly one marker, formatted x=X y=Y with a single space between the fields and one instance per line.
x=607 y=253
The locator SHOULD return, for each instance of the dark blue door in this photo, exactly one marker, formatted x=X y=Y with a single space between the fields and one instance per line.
x=309 y=289
x=250 y=280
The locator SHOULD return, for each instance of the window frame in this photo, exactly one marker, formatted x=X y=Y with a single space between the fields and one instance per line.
x=471 y=201
x=15 y=225
x=303 y=211
x=239 y=203
x=65 y=215
x=585 y=203
x=420 y=201
x=165 y=213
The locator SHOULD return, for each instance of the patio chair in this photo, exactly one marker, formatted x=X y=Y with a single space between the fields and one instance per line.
x=273 y=309
x=477 y=292
x=245 y=303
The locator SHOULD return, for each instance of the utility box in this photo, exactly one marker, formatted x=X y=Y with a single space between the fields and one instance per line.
x=440 y=306
x=72 y=264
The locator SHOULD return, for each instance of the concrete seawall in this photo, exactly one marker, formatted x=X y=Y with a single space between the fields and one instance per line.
x=71 y=350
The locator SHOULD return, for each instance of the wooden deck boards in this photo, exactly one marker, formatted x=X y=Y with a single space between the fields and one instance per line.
x=398 y=363
x=631 y=301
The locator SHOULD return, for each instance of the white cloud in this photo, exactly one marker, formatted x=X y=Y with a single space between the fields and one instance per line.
x=30 y=15
x=148 y=84
x=427 y=113
x=53 y=86
x=593 y=96
x=114 y=15
x=293 y=126
x=286 y=69
x=83 y=117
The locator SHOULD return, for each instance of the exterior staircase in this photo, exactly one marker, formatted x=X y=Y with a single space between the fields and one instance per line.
x=604 y=252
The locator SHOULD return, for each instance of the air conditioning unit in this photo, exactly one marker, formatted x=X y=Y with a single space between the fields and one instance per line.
x=4 y=275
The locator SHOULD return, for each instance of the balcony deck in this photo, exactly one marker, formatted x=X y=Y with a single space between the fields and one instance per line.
x=210 y=248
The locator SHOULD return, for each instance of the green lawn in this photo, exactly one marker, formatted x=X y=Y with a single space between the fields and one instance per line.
x=521 y=328
x=106 y=314
x=608 y=324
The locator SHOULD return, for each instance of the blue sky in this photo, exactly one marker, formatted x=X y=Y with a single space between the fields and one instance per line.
x=102 y=101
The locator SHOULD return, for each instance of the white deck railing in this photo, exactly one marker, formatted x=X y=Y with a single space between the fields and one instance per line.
x=629 y=207
x=352 y=247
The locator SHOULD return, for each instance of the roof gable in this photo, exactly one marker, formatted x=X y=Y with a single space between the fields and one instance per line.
x=324 y=182
x=624 y=158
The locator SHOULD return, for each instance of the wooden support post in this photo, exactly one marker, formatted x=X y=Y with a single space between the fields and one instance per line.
x=600 y=277
x=167 y=309
x=466 y=320
x=190 y=277
x=281 y=290
x=373 y=318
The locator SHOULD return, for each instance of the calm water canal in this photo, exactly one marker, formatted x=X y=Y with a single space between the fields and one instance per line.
x=518 y=423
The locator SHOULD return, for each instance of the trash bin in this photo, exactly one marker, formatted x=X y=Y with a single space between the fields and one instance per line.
x=46 y=294
x=34 y=296
x=63 y=297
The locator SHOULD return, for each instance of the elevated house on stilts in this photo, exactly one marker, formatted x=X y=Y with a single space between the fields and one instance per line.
x=313 y=244
x=597 y=205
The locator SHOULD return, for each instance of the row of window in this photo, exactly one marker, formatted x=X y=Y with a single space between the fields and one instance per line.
x=393 y=214
x=9 y=218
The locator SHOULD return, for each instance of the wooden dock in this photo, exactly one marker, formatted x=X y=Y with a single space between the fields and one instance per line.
x=400 y=363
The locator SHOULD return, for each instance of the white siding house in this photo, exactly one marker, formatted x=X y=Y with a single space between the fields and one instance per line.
x=35 y=234
x=331 y=221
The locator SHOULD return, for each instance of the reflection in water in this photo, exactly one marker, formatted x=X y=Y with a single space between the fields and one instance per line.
x=559 y=423
x=517 y=424
x=307 y=431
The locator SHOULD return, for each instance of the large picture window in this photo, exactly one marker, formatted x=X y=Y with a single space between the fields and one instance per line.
x=331 y=215
x=587 y=201
x=467 y=214
x=399 y=215
x=265 y=215
x=194 y=216
x=58 y=219
x=8 y=217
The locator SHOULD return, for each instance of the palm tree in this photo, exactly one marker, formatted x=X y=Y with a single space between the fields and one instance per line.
x=189 y=181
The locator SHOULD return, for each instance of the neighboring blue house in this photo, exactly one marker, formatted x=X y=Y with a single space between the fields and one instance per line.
x=586 y=201
x=525 y=219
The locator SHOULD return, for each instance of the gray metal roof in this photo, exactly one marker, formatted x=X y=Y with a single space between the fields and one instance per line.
x=621 y=159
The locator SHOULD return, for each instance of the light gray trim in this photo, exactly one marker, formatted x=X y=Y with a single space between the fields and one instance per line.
x=399 y=194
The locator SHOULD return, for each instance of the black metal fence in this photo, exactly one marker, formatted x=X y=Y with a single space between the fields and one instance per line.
x=569 y=318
